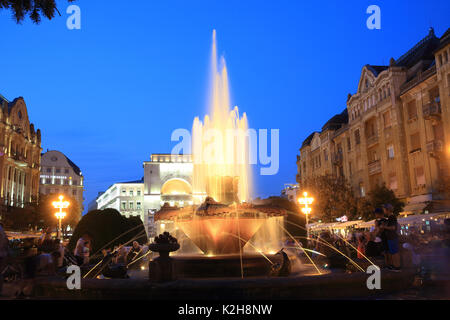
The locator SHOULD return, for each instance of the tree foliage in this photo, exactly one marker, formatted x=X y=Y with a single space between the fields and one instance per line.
x=103 y=226
x=333 y=198
x=381 y=195
x=35 y=9
x=45 y=211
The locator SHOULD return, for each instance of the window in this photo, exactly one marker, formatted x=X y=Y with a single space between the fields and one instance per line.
x=387 y=119
x=49 y=170
x=420 y=176
x=139 y=192
x=131 y=193
x=393 y=181
x=412 y=110
x=362 y=192
x=58 y=170
x=415 y=141
x=124 y=205
x=357 y=137
x=66 y=170
x=124 y=192
x=390 y=152
x=350 y=168
x=131 y=205
x=74 y=192
x=325 y=155
x=349 y=144
x=138 y=205
x=75 y=182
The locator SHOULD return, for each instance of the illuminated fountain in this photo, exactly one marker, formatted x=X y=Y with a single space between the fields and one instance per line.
x=225 y=228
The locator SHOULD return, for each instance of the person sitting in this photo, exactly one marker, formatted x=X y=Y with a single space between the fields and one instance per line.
x=79 y=251
x=134 y=252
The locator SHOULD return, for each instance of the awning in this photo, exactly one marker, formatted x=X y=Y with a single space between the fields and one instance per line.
x=414 y=208
x=348 y=224
x=419 y=218
x=367 y=224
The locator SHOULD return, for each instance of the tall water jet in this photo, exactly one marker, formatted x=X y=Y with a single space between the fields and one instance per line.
x=222 y=220
x=220 y=143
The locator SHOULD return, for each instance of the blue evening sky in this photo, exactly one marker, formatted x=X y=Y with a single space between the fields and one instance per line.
x=110 y=94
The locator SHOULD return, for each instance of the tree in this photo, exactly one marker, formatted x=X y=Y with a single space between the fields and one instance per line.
x=333 y=198
x=108 y=228
x=381 y=195
x=35 y=9
x=45 y=211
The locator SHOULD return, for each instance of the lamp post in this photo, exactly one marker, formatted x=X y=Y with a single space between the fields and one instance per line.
x=60 y=214
x=305 y=200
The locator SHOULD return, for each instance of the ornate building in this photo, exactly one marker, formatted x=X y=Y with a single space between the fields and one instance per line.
x=60 y=175
x=395 y=129
x=167 y=179
x=20 y=149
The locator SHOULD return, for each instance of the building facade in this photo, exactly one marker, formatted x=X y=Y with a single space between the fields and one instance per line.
x=20 y=149
x=290 y=192
x=394 y=130
x=60 y=175
x=125 y=197
x=168 y=178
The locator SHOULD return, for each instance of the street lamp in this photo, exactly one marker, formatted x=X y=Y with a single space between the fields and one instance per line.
x=305 y=200
x=60 y=214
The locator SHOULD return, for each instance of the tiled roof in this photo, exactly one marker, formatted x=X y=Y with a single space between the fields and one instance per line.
x=423 y=50
x=74 y=166
x=336 y=121
x=307 y=141
x=376 y=70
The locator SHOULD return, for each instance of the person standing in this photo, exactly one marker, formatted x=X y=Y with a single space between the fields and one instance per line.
x=380 y=233
x=391 y=230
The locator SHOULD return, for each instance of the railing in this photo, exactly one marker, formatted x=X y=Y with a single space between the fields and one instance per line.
x=372 y=140
x=435 y=146
x=419 y=78
x=432 y=110
x=374 y=167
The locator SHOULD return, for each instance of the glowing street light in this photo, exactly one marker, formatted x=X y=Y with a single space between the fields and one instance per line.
x=305 y=200
x=60 y=214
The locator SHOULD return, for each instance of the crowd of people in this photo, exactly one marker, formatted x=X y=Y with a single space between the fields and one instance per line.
x=381 y=242
x=46 y=256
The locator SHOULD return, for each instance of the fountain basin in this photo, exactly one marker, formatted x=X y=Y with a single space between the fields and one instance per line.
x=221 y=266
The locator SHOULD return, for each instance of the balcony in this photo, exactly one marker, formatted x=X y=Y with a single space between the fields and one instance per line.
x=372 y=140
x=432 y=111
x=19 y=159
x=374 y=167
x=435 y=148
x=337 y=158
